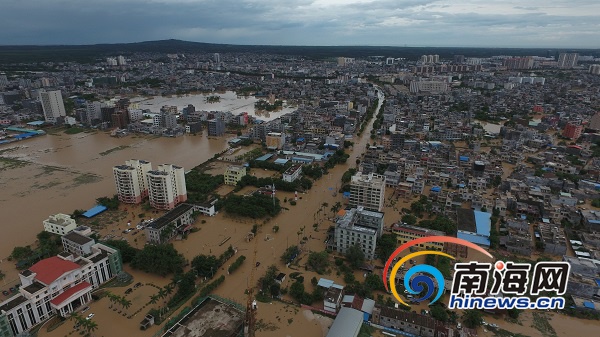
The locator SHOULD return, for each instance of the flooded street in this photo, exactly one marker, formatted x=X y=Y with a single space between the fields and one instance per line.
x=60 y=173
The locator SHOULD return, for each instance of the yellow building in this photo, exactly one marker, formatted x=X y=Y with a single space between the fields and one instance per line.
x=406 y=233
x=275 y=140
x=233 y=174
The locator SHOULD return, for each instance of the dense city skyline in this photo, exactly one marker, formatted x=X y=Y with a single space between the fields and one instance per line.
x=471 y=23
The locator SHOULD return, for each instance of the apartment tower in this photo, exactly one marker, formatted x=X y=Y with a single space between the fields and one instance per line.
x=166 y=186
x=131 y=180
x=52 y=104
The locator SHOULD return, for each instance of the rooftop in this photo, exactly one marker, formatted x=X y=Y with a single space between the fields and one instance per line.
x=48 y=270
x=70 y=292
x=77 y=238
x=170 y=216
x=346 y=324
x=34 y=287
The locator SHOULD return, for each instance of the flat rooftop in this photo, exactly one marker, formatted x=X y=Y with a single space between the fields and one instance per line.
x=170 y=216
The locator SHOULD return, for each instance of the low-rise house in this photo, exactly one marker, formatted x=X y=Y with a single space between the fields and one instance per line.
x=60 y=224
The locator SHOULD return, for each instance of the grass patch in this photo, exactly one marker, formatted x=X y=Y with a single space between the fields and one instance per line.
x=11 y=163
x=118 y=148
x=265 y=326
x=73 y=130
x=86 y=178
x=540 y=323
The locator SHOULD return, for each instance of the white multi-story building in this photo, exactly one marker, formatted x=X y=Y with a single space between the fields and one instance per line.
x=93 y=111
x=358 y=227
x=131 y=180
x=60 y=224
x=166 y=186
x=58 y=285
x=53 y=105
x=121 y=60
x=567 y=60
x=292 y=173
x=367 y=190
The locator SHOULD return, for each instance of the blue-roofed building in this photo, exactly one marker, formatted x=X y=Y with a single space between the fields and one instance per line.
x=483 y=222
x=302 y=160
x=265 y=157
x=589 y=305
x=92 y=212
x=463 y=158
x=474 y=238
x=36 y=123
x=281 y=161
x=436 y=189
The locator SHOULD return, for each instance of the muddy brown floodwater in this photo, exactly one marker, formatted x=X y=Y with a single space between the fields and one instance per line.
x=60 y=173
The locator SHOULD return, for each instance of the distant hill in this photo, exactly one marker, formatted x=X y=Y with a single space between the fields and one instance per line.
x=90 y=53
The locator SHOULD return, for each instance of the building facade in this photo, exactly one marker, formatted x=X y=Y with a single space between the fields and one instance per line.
x=358 y=226
x=216 y=127
x=367 y=190
x=52 y=104
x=405 y=233
x=572 y=131
x=58 y=285
x=233 y=174
x=292 y=173
x=166 y=186
x=172 y=223
x=60 y=224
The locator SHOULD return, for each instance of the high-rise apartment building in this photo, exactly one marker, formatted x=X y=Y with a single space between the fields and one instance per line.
x=594 y=69
x=216 y=127
x=131 y=180
x=217 y=57
x=52 y=104
x=367 y=190
x=567 y=60
x=166 y=186
x=121 y=60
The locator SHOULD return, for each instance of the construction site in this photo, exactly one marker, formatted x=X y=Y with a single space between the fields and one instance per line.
x=213 y=317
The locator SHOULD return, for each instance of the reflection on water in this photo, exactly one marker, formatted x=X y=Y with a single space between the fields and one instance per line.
x=229 y=102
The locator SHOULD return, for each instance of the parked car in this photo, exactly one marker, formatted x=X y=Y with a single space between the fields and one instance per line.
x=137 y=285
x=128 y=291
x=257 y=264
x=458 y=325
x=90 y=316
x=5 y=293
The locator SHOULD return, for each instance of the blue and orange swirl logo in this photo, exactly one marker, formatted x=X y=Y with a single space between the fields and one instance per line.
x=426 y=275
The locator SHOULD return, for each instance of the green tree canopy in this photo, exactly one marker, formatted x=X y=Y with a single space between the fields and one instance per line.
x=318 y=262
x=472 y=318
x=355 y=256
x=159 y=259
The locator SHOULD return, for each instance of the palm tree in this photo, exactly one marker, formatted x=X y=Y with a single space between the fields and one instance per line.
x=169 y=289
x=90 y=326
x=162 y=294
x=153 y=299
x=126 y=303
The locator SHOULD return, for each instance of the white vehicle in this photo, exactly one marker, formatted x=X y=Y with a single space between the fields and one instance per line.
x=458 y=325
x=90 y=316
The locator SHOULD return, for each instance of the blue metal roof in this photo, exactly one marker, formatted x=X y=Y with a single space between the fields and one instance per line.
x=474 y=238
x=463 y=158
x=323 y=282
x=597 y=281
x=436 y=189
x=265 y=157
x=483 y=222
x=281 y=161
x=92 y=212
x=588 y=305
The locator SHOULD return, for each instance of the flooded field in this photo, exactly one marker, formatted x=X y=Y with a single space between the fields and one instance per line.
x=229 y=102
x=59 y=173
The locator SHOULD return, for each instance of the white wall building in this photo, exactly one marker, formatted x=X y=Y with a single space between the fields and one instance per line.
x=60 y=224
x=131 y=180
x=53 y=105
x=358 y=227
x=166 y=186
x=367 y=190
x=58 y=285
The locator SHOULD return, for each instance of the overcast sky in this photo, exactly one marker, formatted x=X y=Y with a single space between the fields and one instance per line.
x=485 y=23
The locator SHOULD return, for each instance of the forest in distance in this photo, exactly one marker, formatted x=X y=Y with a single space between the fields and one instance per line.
x=92 y=53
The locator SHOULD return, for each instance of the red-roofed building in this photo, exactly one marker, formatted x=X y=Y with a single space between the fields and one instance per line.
x=48 y=270
x=59 y=285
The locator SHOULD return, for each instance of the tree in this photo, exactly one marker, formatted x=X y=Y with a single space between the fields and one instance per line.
x=514 y=313
x=110 y=203
x=373 y=282
x=472 y=318
x=386 y=246
x=205 y=265
x=439 y=313
x=318 y=262
x=297 y=291
x=290 y=254
x=128 y=252
x=409 y=219
x=355 y=256
x=159 y=259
